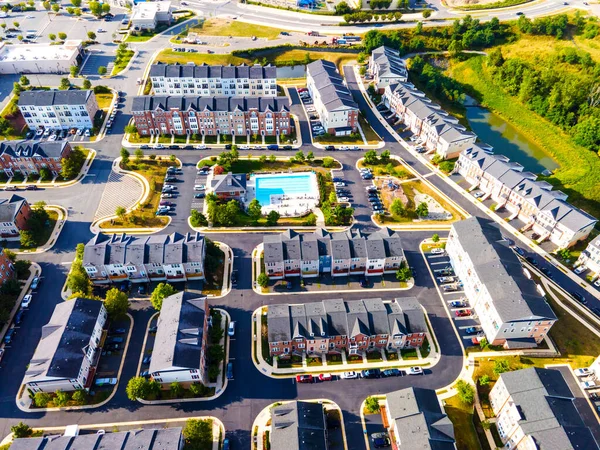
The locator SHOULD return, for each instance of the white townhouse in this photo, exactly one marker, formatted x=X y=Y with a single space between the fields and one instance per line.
x=387 y=67
x=508 y=304
x=68 y=352
x=208 y=81
x=332 y=99
x=590 y=257
x=543 y=210
x=441 y=132
x=58 y=109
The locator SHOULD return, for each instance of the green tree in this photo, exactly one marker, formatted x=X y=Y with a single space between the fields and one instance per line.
x=172 y=158
x=263 y=280
x=332 y=197
x=272 y=218
x=129 y=129
x=45 y=174
x=435 y=238
x=20 y=37
x=426 y=14
x=47 y=6
x=62 y=36
x=124 y=157
x=403 y=273
x=501 y=366
x=95 y=8
x=27 y=239
x=91 y=35
x=55 y=7
x=61 y=399
x=384 y=158
x=139 y=154
x=74 y=70
x=466 y=392
x=65 y=84
x=397 y=207
x=87 y=84
x=372 y=405
x=80 y=397
x=72 y=165
x=17 y=89
x=254 y=210
x=24 y=80
x=484 y=380
x=198 y=434
x=41 y=399
x=262 y=159
x=137 y=387
x=299 y=156
x=105 y=8
x=78 y=12
x=120 y=212
x=272 y=158
x=176 y=389
x=70 y=10
x=310 y=157
x=16 y=24
x=371 y=155
x=328 y=162
x=197 y=219
x=162 y=291
x=116 y=303
x=422 y=209
x=21 y=430
x=101 y=70
x=78 y=280
x=342 y=8
x=76 y=3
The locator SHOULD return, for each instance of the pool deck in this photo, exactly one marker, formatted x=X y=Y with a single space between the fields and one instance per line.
x=287 y=204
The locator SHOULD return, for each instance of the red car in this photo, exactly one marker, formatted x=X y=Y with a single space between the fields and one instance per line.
x=304 y=379
x=463 y=312
x=325 y=377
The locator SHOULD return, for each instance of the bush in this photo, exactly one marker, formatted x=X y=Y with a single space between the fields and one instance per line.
x=80 y=397
x=328 y=162
x=372 y=405
x=161 y=291
x=21 y=430
x=197 y=219
x=136 y=388
x=263 y=280
x=501 y=366
x=61 y=399
x=41 y=399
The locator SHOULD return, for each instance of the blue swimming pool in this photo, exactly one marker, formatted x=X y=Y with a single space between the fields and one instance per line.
x=284 y=184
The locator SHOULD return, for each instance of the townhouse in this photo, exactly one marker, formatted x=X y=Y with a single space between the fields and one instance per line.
x=7 y=269
x=229 y=186
x=415 y=419
x=535 y=408
x=68 y=352
x=331 y=98
x=139 y=259
x=58 y=109
x=30 y=157
x=179 y=352
x=351 y=252
x=210 y=116
x=544 y=211
x=590 y=257
x=14 y=214
x=386 y=67
x=298 y=425
x=354 y=327
x=209 y=81
x=509 y=305
x=149 y=15
x=440 y=132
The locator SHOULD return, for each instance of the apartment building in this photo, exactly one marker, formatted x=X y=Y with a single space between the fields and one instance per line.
x=229 y=186
x=331 y=98
x=139 y=259
x=415 y=419
x=440 y=132
x=7 y=270
x=536 y=409
x=210 y=116
x=146 y=16
x=179 y=352
x=590 y=257
x=354 y=327
x=58 y=109
x=29 y=157
x=209 y=81
x=298 y=425
x=351 y=252
x=509 y=305
x=14 y=214
x=68 y=352
x=543 y=210
x=386 y=67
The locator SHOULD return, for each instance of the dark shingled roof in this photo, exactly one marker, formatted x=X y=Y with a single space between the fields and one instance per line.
x=49 y=98
x=222 y=104
x=31 y=149
x=298 y=425
x=255 y=72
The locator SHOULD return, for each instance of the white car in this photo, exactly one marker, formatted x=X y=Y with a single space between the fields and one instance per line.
x=86 y=133
x=231 y=329
x=584 y=372
x=597 y=283
x=100 y=30
x=588 y=384
x=580 y=269
x=52 y=138
x=78 y=132
x=159 y=146
x=244 y=147
x=200 y=147
x=168 y=187
x=414 y=371
x=199 y=187
x=166 y=195
x=35 y=282
x=344 y=147
x=438 y=251
x=26 y=301
x=339 y=184
x=478 y=194
x=349 y=375
x=343 y=199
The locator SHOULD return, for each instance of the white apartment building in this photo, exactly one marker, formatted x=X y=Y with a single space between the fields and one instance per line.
x=67 y=354
x=543 y=210
x=207 y=81
x=508 y=304
x=331 y=98
x=148 y=15
x=58 y=109
x=387 y=67
x=590 y=257
x=40 y=58
x=441 y=133
x=535 y=409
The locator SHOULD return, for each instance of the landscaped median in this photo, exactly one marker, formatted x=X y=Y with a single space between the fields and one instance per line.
x=51 y=219
x=337 y=363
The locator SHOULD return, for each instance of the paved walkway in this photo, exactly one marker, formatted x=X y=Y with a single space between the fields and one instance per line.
x=121 y=190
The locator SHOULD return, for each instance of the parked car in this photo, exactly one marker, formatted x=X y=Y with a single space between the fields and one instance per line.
x=590 y=384
x=583 y=372
x=458 y=304
x=438 y=251
x=450 y=287
x=10 y=334
x=147 y=359
x=115 y=340
x=304 y=378
x=371 y=373
x=199 y=187
x=380 y=440
x=579 y=297
x=463 y=313
x=234 y=278
x=105 y=382
x=35 y=282
x=519 y=251
x=325 y=377
x=118 y=331
x=226 y=440
x=546 y=272
x=580 y=269
x=415 y=371
x=19 y=317
x=472 y=330
x=531 y=260
x=199 y=195
x=230 y=371
x=26 y=301
x=231 y=328
x=349 y=375
x=391 y=373
x=166 y=195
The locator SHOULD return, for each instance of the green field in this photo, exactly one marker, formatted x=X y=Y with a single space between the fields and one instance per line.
x=228 y=27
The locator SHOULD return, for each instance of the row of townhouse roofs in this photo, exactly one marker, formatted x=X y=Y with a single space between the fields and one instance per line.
x=211 y=116
x=386 y=67
x=55 y=109
x=14 y=214
x=543 y=210
x=510 y=306
x=140 y=259
x=29 y=157
x=69 y=349
x=354 y=327
x=331 y=98
x=214 y=80
x=351 y=252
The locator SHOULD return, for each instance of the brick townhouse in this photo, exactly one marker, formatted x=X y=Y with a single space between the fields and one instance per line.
x=334 y=326
x=7 y=270
x=239 y=116
x=14 y=214
x=29 y=157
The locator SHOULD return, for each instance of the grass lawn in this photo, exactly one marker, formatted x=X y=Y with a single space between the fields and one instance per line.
x=144 y=215
x=579 y=172
x=104 y=101
x=327 y=139
x=408 y=353
x=498 y=4
x=461 y=416
x=123 y=63
x=314 y=362
x=334 y=360
x=256 y=166
x=372 y=137
x=380 y=169
x=147 y=35
x=228 y=27
x=374 y=356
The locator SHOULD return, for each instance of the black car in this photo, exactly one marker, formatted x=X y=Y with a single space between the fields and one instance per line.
x=579 y=297
x=596 y=311
x=10 y=334
x=170 y=179
x=329 y=147
x=118 y=331
x=188 y=147
x=173 y=146
x=337 y=179
x=520 y=251
x=227 y=146
x=230 y=371
x=234 y=278
x=152 y=329
x=287 y=147
x=273 y=147
x=380 y=440
x=200 y=195
x=144 y=147
x=531 y=260
x=19 y=316
x=364 y=282
x=141 y=289
x=371 y=373
x=546 y=272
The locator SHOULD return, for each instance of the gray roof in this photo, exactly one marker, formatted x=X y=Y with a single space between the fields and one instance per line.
x=32 y=149
x=279 y=325
x=255 y=72
x=61 y=349
x=515 y=297
x=49 y=98
x=406 y=315
x=10 y=208
x=228 y=182
x=298 y=425
x=180 y=333
x=199 y=104
x=548 y=412
x=389 y=63
x=146 y=439
x=334 y=94
x=420 y=421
